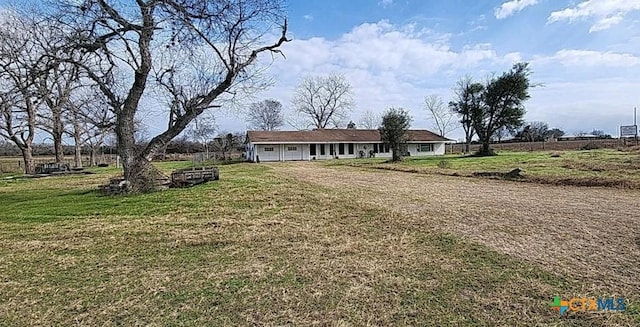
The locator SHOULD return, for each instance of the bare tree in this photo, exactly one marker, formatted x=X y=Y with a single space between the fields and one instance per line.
x=501 y=133
x=202 y=130
x=122 y=38
x=56 y=87
x=323 y=100
x=50 y=82
x=555 y=133
x=265 y=115
x=369 y=120
x=468 y=99
x=19 y=66
x=536 y=131
x=91 y=120
x=443 y=119
x=226 y=143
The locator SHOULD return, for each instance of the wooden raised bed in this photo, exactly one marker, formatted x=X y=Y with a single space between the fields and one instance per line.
x=52 y=167
x=193 y=176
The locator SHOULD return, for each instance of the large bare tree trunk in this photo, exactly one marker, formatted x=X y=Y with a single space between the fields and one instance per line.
x=77 y=157
x=92 y=157
x=56 y=132
x=486 y=148
x=27 y=158
x=141 y=175
x=138 y=171
x=468 y=135
x=77 y=140
x=126 y=144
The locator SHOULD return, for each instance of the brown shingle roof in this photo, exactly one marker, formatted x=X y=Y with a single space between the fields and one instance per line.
x=336 y=135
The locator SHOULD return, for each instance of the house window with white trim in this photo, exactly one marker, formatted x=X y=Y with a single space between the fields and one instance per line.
x=268 y=149
x=292 y=148
x=428 y=147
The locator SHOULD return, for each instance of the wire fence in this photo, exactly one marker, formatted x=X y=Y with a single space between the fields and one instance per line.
x=552 y=145
x=16 y=164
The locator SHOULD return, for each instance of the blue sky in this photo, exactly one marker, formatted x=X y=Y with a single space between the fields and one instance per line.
x=394 y=53
x=586 y=53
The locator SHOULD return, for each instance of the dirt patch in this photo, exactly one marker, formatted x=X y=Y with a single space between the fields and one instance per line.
x=585 y=182
x=600 y=181
x=587 y=234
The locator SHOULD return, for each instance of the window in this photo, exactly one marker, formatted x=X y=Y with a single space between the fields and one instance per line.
x=292 y=148
x=425 y=147
x=386 y=148
x=381 y=148
x=268 y=149
x=375 y=148
x=341 y=148
x=332 y=151
x=351 y=150
x=322 y=150
x=312 y=149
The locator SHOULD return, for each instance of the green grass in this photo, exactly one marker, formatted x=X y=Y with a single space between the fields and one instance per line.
x=594 y=167
x=255 y=248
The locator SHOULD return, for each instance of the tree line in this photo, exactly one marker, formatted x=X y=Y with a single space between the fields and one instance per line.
x=95 y=64
x=482 y=109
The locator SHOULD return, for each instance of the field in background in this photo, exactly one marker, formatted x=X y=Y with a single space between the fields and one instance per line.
x=553 y=145
x=581 y=168
x=303 y=243
x=14 y=165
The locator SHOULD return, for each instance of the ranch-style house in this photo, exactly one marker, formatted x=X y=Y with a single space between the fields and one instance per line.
x=320 y=144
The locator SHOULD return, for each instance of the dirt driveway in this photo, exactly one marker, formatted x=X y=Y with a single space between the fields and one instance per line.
x=591 y=235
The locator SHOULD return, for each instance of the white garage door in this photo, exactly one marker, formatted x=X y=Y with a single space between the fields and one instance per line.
x=293 y=152
x=269 y=152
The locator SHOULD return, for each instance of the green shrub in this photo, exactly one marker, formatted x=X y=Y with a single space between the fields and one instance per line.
x=444 y=164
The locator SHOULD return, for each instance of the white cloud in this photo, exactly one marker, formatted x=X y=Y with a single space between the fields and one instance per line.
x=589 y=58
x=397 y=65
x=606 y=13
x=308 y=17
x=513 y=57
x=606 y=23
x=385 y=3
x=477 y=24
x=512 y=7
x=387 y=65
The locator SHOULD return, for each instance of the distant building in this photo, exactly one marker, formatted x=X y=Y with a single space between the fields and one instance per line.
x=578 y=137
x=320 y=144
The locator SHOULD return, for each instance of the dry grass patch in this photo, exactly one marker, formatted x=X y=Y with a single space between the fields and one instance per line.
x=588 y=235
x=259 y=247
x=601 y=168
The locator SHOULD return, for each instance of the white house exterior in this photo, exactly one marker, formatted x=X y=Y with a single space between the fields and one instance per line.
x=319 y=144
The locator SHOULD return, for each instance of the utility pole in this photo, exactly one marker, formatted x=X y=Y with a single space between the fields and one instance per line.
x=635 y=124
